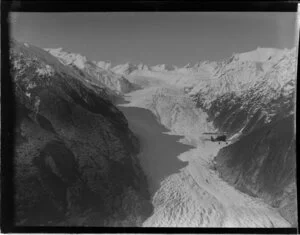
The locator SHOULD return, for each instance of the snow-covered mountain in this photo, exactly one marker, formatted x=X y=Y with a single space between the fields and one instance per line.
x=163 y=67
x=261 y=55
x=99 y=71
x=125 y=69
x=103 y=64
x=68 y=58
x=142 y=67
x=238 y=69
x=129 y=68
x=252 y=85
x=186 y=77
x=247 y=86
x=198 y=68
x=251 y=97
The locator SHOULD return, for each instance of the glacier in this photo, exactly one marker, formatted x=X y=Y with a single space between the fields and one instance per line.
x=197 y=196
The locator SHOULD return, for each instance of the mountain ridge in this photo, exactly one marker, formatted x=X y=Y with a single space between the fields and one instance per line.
x=99 y=71
x=75 y=157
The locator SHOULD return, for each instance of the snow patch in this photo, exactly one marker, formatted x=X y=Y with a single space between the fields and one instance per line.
x=68 y=58
x=31 y=85
x=46 y=70
x=103 y=64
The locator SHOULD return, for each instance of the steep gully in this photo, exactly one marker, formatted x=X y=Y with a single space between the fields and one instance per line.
x=186 y=189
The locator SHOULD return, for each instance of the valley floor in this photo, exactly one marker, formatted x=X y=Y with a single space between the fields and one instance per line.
x=186 y=190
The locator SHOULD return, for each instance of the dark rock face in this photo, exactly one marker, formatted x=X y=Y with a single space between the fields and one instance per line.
x=75 y=158
x=263 y=164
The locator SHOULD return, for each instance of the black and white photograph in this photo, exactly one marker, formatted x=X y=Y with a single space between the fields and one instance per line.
x=154 y=119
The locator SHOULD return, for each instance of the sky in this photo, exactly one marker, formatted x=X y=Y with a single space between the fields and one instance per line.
x=152 y=38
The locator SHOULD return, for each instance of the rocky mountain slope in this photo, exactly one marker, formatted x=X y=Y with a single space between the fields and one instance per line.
x=103 y=64
x=99 y=72
x=126 y=69
x=76 y=159
x=241 y=91
x=266 y=167
x=251 y=97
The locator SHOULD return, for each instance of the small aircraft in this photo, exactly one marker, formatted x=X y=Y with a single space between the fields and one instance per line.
x=221 y=137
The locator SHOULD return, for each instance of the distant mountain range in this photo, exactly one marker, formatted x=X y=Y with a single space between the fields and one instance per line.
x=97 y=72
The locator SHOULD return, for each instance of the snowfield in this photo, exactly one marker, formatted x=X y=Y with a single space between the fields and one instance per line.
x=195 y=196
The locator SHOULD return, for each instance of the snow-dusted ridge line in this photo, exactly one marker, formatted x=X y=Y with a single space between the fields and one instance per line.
x=68 y=58
x=258 y=55
x=98 y=71
x=267 y=56
x=238 y=73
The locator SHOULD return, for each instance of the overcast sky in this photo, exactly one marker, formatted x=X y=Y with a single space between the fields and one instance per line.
x=156 y=37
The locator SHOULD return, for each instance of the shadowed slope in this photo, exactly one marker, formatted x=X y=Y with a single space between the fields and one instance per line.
x=75 y=157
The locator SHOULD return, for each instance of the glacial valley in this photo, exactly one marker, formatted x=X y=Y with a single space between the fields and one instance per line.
x=130 y=146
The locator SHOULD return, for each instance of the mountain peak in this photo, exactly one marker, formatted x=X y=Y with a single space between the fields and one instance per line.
x=54 y=49
x=187 y=66
x=260 y=54
x=67 y=57
x=162 y=67
x=103 y=64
